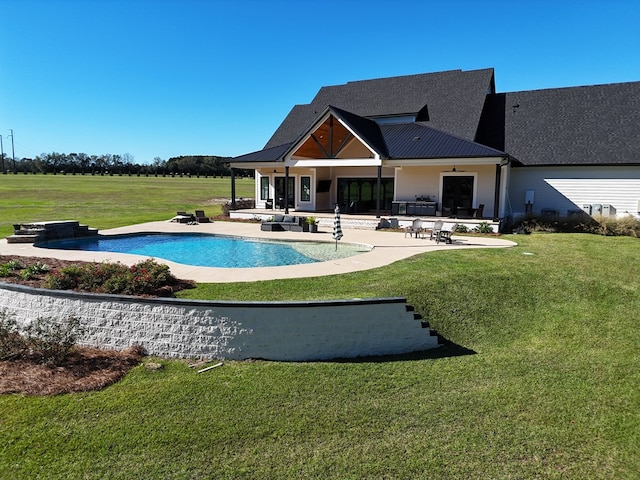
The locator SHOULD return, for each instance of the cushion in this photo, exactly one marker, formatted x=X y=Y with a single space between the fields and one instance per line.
x=289 y=219
x=278 y=218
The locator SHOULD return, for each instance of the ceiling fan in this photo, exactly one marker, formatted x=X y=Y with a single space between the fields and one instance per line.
x=453 y=170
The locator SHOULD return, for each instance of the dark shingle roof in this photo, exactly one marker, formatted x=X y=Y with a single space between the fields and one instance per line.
x=454 y=100
x=591 y=125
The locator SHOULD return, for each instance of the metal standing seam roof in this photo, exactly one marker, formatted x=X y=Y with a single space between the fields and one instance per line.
x=414 y=140
x=274 y=154
x=390 y=141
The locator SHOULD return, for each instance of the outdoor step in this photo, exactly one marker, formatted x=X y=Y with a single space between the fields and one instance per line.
x=24 y=238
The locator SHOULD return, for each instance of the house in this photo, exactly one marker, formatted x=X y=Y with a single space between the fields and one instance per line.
x=447 y=144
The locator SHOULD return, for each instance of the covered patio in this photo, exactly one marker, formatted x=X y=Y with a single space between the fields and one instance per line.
x=378 y=169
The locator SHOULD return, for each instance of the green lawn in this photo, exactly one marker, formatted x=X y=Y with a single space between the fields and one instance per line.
x=108 y=202
x=541 y=381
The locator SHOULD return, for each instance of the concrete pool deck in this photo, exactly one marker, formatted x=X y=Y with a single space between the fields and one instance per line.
x=386 y=248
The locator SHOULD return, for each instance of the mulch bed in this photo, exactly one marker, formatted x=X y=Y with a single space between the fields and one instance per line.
x=85 y=369
x=52 y=263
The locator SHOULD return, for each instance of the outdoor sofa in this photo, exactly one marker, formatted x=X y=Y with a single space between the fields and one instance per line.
x=285 y=222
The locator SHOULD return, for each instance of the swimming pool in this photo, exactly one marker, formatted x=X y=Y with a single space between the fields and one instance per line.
x=206 y=250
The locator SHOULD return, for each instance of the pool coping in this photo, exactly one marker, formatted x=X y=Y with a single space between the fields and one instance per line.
x=386 y=248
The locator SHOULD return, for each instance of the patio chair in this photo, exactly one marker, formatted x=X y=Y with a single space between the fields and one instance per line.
x=435 y=231
x=445 y=234
x=478 y=211
x=414 y=229
x=184 y=217
x=201 y=217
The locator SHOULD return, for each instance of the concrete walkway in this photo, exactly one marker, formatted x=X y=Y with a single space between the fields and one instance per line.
x=386 y=248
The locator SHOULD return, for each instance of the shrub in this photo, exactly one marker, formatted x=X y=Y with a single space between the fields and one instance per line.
x=144 y=278
x=624 y=226
x=12 y=345
x=67 y=278
x=8 y=269
x=45 y=340
x=483 y=227
x=50 y=341
x=620 y=226
x=32 y=271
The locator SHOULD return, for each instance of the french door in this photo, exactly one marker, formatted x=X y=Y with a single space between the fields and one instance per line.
x=457 y=192
x=280 y=193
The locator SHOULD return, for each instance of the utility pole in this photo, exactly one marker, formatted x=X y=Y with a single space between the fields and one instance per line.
x=13 y=153
x=2 y=153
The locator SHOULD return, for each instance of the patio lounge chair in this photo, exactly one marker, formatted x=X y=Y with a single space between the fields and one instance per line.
x=201 y=217
x=184 y=217
x=446 y=232
x=414 y=229
x=435 y=231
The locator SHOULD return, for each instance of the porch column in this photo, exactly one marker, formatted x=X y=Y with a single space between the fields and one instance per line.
x=496 y=193
x=286 y=190
x=233 y=189
x=378 y=200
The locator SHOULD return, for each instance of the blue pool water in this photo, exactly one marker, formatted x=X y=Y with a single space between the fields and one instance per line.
x=207 y=250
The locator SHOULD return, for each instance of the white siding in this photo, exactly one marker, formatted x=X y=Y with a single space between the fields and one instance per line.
x=569 y=188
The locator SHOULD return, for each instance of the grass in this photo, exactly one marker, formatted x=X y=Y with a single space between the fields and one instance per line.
x=108 y=202
x=540 y=382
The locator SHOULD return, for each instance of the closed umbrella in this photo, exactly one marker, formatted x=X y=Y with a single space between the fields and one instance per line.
x=337 y=229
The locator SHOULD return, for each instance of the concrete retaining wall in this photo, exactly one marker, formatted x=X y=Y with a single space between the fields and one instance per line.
x=291 y=331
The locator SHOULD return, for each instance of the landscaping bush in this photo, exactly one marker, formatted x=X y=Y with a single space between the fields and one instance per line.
x=611 y=226
x=624 y=226
x=483 y=227
x=33 y=271
x=144 y=278
x=8 y=269
x=50 y=341
x=12 y=345
x=45 y=340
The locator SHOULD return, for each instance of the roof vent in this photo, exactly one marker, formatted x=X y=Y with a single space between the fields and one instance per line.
x=415 y=139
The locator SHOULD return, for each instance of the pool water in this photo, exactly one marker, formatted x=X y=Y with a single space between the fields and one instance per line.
x=205 y=250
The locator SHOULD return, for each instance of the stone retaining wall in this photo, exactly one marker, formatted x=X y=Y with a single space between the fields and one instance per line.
x=290 y=331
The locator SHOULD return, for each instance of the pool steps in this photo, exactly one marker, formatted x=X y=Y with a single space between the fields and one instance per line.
x=44 y=231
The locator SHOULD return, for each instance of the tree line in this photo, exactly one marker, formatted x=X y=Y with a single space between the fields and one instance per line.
x=109 y=164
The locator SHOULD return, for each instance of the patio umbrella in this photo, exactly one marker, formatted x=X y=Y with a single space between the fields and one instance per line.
x=337 y=229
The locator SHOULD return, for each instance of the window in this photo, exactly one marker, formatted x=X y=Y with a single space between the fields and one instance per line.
x=305 y=189
x=264 y=188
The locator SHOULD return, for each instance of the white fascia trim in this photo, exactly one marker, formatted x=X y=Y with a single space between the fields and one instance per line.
x=375 y=154
x=256 y=165
x=335 y=162
x=314 y=128
x=437 y=162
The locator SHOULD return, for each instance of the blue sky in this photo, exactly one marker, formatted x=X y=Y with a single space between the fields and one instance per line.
x=192 y=77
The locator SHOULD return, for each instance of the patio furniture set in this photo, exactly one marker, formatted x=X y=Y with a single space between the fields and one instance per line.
x=440 y=231
x=190 y=218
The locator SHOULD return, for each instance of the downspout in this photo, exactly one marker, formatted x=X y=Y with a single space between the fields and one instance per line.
x=496 y=195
